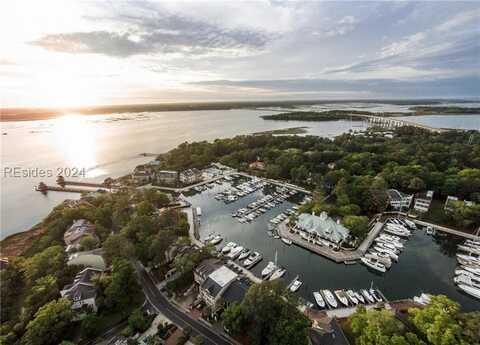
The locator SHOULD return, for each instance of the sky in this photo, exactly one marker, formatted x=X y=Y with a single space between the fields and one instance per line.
x=76 y=53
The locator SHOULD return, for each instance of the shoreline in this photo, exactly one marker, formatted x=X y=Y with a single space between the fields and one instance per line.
x=17 y=244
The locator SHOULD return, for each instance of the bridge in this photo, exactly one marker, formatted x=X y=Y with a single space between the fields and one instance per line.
x=392 y=122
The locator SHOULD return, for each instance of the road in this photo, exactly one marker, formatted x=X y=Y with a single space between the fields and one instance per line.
x=177 y=316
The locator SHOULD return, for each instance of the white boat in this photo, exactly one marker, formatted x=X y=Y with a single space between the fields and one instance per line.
x=390 y=237
x=228 y=247
x=209 y=238
x=278 y=273
x=375 y=294
x=393 y=255
x=286 y=241
x=387 y=262
x=253 y=259
x=462 y=279
x=360 y=297
x=468 y=249
x=330 y=298
x=387 y=244
x=352 y=297
x=423 y=299
x=471 y=268
x=244 y=254
x=216 y=240
x=470 y=290
x=295 y=285
x=473 y=276
x=319 y=299
x=390 y=242
x=473 y=242
x=235 y=252
x=397 y=231
x=367 y=296
x=342 y=297
x=269 y=269
x=469 y=258
x=374 y=264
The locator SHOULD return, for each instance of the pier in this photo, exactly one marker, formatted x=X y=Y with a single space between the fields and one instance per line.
x=46 y=188
x=337 y=256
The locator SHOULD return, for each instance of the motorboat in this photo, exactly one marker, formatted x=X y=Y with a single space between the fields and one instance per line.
x=342 y=297
x=330 y=298
x=462 y=279
x=286 y=241
x=360 y=297
x=375 y=294
x=296 y=285
x=367 y=296
x=376 y=265
x=472 y=291
x=216 y=240
x=472 y=268
x=235 y=252
x=473 y=276
x=228 y=247
x=386 y=261
x=209 y=237
x=278 y=273
x=397 y=231
x=472 y=242
x=269 y=269
x=319 y=299
x=468 y=249
x=244 y=254
x=469 y=258
x=253 y=259
x=393 y=255
x=410 y=224
x=352 y=297
x=386 y=244
x=423 y=299
x=389 y=242
x=390 y=237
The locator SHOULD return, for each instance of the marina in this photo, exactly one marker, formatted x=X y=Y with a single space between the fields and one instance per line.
x=429 y=260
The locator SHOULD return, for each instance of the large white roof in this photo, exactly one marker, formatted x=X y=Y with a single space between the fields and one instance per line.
x=223 y=275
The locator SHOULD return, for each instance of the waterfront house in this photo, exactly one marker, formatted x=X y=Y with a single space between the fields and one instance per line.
x=190 y=176
x=451 y=200
x=321 y=226
x=140 y=176
x=169 y=177
x=399 y=200
x=75 y=233
x=82 y=292
x=257 y=165
x=423 y=201
x=216 y=285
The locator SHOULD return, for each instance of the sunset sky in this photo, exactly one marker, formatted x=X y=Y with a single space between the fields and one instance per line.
x=71 y=53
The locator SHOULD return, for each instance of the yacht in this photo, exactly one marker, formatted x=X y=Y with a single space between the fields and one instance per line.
x=388 y=245
x=397 y=231
x=468 y=249
x=462 y=279
x=295 y=285
x=375 y=294
x=352 y=297
x=278 y=273
x=209 y=237
x=360 y=297
x=374 y=264
x=216 y=240
x=330 y=298
x=286 y=241
x=473 y=242
x=235 y=252
x=468 y=258
x=389 y=242
x=473 y=269
x=268 y=270
x=472 y=291
x=383 y=258
x=474 y=276
x=253 y=259
x=393 y=255
x=244 y=254
x=367 y=296
x=410 y=224
x=342 y=297
x=228 y=247
x=319 y=299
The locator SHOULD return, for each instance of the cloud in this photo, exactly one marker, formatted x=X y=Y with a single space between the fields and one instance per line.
x=167 y=34
x=460 y=19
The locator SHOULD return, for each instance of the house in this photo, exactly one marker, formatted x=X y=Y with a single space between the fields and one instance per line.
x=423 y=201
x=167 y=177
x=257 y=165
x=204 y=269
x=140 y=176
x=399 y=200
x=82 y=292
x=322 y=226
x=75 y=233
x=190 y=176
x=448 y=207
x=217 y=282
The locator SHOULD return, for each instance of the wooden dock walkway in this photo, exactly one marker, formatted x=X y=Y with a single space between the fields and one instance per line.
x=337 y=256
x=48 y=188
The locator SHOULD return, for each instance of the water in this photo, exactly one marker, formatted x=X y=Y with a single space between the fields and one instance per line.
x=423 y=266
x=446 y=121
x=109 y=145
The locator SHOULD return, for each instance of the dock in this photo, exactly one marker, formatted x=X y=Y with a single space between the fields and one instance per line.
x=84 y=184
x=338 y=256
x=46 y=188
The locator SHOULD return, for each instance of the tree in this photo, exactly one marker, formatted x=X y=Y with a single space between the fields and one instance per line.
x=358 y=225
x=198 y=340
x=91 y=325
x=438 y=321
x=49 y=324
x=49 y=261
x=123 y=286
x=137 y=321
x=44 y=290
x=416 y=184
x=88 y=242
x=233 y=319
x=117 y=246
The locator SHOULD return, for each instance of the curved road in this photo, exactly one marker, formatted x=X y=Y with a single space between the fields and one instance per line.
x=177 y=316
